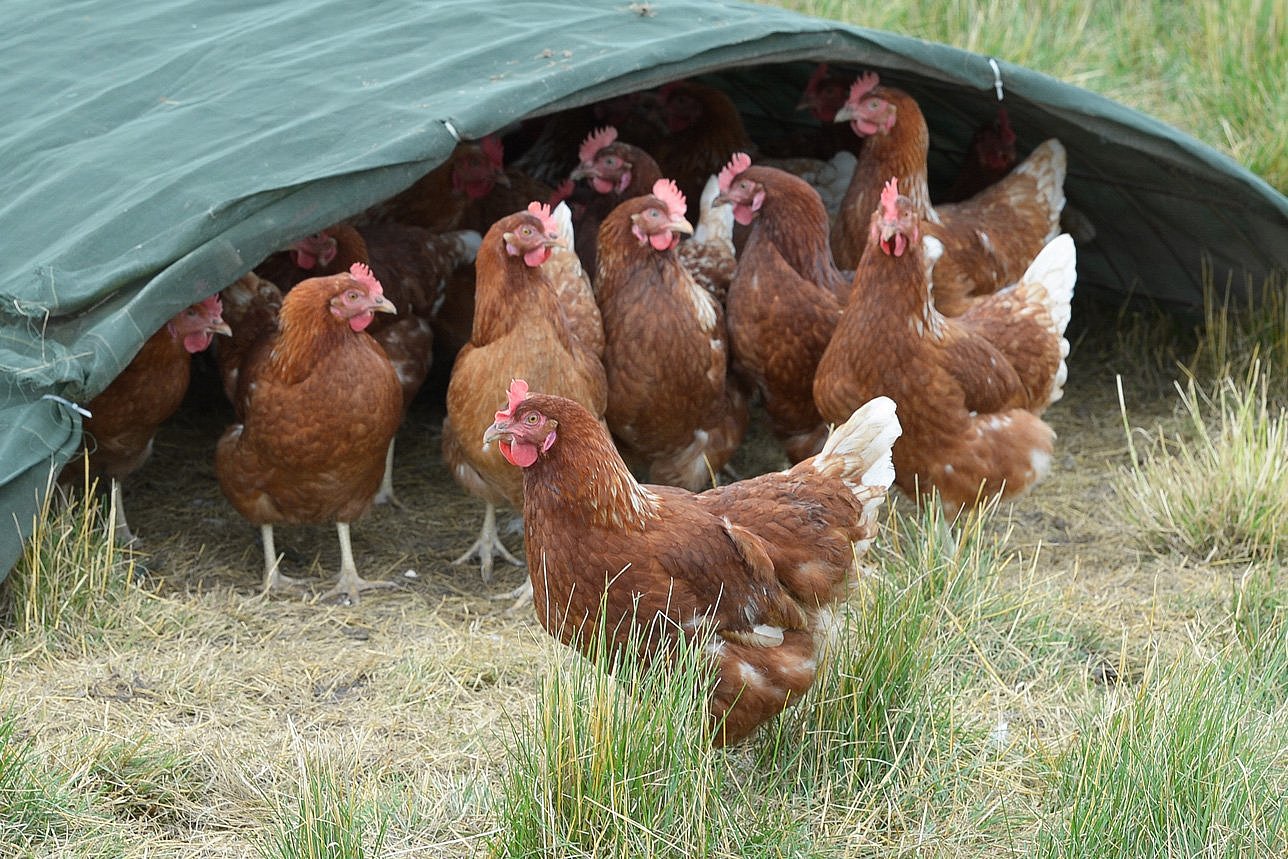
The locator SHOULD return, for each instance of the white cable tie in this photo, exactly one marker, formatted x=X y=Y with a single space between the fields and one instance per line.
x=451 y=129
x=83 y=412
x=997 y=77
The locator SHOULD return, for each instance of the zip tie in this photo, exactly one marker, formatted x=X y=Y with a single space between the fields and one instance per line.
x=451 y=129
x=997 y=77
x=69 y=404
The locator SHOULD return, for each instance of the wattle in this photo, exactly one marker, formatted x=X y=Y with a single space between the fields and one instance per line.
x=663 y=241
x=603 y=186
x=536 y=256
x=304 y=259
x=362 y=320
x=518 y=453
x=743 y=214
x=864 y=127
x=197 y=341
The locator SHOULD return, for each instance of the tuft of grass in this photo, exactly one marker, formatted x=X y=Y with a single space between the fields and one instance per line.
x=39 y=807
x=616 y=760
x=141 y=782
x=326 y=821
x=1259 y=609
x=1215 y=492
x=72 y=581
x=1238 y=333
x=1184 y=765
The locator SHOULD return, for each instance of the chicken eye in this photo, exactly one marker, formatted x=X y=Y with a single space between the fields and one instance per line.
x=525 y=231
x=351 y=295
x=611 y=161
x=874 y=103
x=653 y=213
x=531 y=419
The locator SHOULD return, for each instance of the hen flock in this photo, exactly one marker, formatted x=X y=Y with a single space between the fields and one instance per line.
x=610 y=302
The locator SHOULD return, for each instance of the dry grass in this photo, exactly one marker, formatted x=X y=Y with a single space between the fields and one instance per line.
x=186 y=727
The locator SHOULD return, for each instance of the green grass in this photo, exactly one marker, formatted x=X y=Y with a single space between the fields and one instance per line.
x=1184 y=765
x=73 y=583
x=1205 y=66
x=325 y=820
x=616 y=761
x=1214 y=491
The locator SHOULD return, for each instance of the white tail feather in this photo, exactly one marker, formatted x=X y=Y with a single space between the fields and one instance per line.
x=861 y=446
x=713 y=222
x=562 y=217
x=1047 y=164
x=1050 y=279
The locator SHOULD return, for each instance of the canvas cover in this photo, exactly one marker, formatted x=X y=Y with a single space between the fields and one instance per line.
x=153 y=152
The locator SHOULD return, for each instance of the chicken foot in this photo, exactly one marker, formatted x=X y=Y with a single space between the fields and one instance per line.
x=274 y=580
x=350 y=584
x=487 y=545
x=385 y=495
x=122 y=528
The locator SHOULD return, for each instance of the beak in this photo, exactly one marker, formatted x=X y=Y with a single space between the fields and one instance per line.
x=498 y=430
x=805 y=103
x=384 y=306
x=845 y=114
x=582 y=171
x=555 y=242
x=682 y=225
x=220 y=327
x=501 y=178
x=722 y=200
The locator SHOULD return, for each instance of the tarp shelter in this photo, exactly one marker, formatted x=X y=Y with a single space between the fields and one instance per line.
x=154 y=152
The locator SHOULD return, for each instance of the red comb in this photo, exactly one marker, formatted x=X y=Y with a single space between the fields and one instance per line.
x=738 y=163
x=594 y=142
x=666 y=191
x=212 y=305
x=542 y=211
x=1004 y=126
x=563 y=192
x=866 y=83
x=817 y=78
x=518 y=393
x=889 y=196
x=492 y=148
x=359 y=272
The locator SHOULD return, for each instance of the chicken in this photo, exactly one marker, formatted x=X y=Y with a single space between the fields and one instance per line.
x=318 y=404
x=414 y=266
x=988 y=240
x=442 y=199
x=706 y=130
x=709 y=254
x=970 y=389
x=989 y=156
x=572 y=286
x=251 y=305
x=752 y=570
x=785 y=297
x=670 y=400
x=616 y=171
x=824 y=94
x=125 y=416
x=547 y=145
x=520 y=329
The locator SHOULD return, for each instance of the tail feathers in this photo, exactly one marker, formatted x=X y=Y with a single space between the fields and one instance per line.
x=862 y=445
x=1049 y=280
x=713 y=222
x=1051 y=276
x=1047 y=164
x=563 y=220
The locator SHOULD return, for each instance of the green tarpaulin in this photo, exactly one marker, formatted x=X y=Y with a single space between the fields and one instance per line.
x=154 y=152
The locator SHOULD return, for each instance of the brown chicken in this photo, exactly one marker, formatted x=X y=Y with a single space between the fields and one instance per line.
x=706 y=130
x=415 y=267
x=446 y=197
x=969 y=389
x=990 y=155
x=752 y=570
x=520 y=329
x=251 y=305
x=709 y=253
x=671 y=403
x=785 y=297
x=125 y=416
x=988 y=240
x=617 y=171
x=318 y=404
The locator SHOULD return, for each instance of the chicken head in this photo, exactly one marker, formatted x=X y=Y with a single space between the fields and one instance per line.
x=196 y=325
x=358 y=302
x=866 y=110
